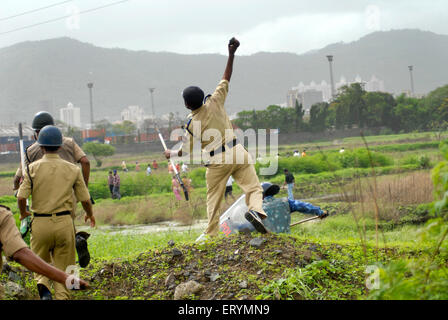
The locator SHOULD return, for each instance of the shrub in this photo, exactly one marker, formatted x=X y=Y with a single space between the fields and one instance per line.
x=331 y=161
x=309 y=164
x=386 y=131
x=425 y=276
x=405 y=147
x=197 y=177
x=410 y=160
x=98 y=150
x=424 y=162
x=359 y=158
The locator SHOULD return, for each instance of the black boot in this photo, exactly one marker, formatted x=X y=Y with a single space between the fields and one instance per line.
x=44 y=293
x=81 y=248
x=254 y=218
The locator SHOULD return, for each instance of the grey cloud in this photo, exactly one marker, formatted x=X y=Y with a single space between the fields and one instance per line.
x=169 y=25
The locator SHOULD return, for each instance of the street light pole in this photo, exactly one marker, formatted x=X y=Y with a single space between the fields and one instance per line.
x=330 y=61
x=90 y=86
x=411 y=68
x=151 y=92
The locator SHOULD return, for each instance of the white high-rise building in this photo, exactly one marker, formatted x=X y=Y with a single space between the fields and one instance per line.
x=71 y=115
x=132 y=113
x=318 y=92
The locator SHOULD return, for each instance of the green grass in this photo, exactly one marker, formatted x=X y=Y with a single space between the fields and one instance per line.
x=342 y=228
x=330 y=278
x=370 y=139
x=107 y=245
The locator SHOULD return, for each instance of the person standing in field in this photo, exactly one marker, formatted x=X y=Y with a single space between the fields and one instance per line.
x=123 y=166
x=110 y=182
x=155 y=165
x=184 y=167
x=187 y=183
x=148 y=170
x=289 y=181
x=176 y=188
x=51 y=182
x=116 y=190
x=304 y=153
x=137 y=166
x=69 y=151
x=207 y=116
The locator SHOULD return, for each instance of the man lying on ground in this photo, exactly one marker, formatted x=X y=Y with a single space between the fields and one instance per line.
x=279 y=209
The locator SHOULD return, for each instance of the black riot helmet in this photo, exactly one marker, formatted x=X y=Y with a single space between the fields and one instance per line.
x=50 y=136
x=269 y=189
x=193 y=97
x=42 y=119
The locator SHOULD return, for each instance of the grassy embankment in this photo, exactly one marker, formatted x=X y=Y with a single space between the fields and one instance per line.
x=321 y=260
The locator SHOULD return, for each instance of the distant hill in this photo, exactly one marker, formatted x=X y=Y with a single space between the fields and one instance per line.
x=48 y=74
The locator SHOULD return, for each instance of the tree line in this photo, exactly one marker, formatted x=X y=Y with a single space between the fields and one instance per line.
x=355 y=107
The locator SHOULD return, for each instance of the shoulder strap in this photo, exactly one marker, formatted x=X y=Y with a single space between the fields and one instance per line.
x=186 y=127
x=7 y=208
x=28 y=166
x=26 y=153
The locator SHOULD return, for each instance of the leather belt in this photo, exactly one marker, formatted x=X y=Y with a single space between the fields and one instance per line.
x=230 y=145
x=63 y=213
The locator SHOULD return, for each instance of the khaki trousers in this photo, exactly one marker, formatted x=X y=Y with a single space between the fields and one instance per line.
x=53 y=240
x=245 y=176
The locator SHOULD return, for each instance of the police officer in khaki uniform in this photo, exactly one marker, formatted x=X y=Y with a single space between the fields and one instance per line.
x=51 y=182
x=69 y=151
x=14 y=247
x=226 y=156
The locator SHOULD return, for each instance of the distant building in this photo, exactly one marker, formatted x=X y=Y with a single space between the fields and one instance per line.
x=89 y=135
x=375 y=84
x=9 y=138
x=408 y=94
x=71 y=115
x=133 y=113
x=310 y=97
x=313 y=93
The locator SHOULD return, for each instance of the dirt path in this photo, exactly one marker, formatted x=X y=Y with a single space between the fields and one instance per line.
x=143 y=229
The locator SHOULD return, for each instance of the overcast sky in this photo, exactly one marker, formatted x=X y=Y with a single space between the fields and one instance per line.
x=204 y=26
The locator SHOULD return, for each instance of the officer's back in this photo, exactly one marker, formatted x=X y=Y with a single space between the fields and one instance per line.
x=51 y=181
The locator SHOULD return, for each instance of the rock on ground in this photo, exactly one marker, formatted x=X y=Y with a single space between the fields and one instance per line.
x=257 y=242
x=184 y=290
x=14 y=290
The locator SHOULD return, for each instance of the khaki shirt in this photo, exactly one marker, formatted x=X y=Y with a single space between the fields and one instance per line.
x=54 y=181
x=10 y=238
x=69 y=151
x=211 y=115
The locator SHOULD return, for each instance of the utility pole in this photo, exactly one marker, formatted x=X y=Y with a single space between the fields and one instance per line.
x=90 y=86
x=151 y=91
x=330 y=61
x=411 y=68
